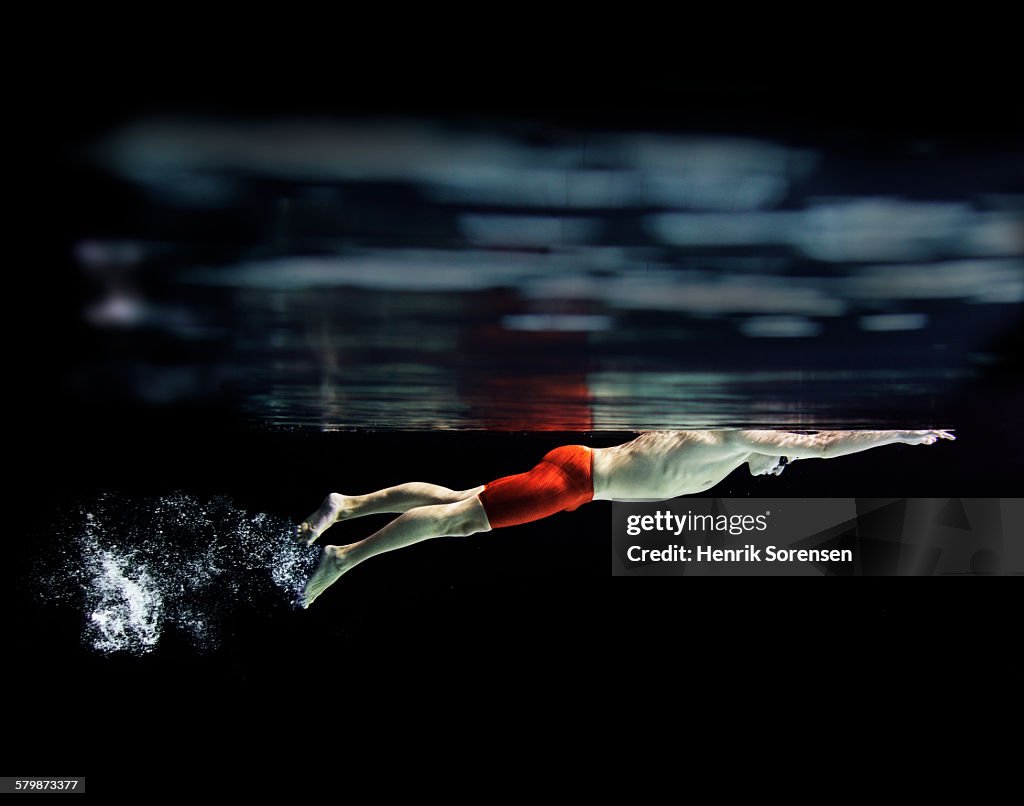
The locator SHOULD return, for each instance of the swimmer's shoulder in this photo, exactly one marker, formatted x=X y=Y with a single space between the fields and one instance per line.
x=683 y=437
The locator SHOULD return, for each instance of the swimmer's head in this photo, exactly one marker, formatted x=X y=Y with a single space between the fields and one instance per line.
x=767 y=465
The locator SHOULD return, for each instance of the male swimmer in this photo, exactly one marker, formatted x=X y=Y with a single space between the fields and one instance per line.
x=656 y=465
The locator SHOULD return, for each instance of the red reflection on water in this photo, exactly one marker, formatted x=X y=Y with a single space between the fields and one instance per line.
x=525 y=380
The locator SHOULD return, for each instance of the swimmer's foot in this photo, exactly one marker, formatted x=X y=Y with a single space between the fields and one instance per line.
x=330 y=512
x=333 y=564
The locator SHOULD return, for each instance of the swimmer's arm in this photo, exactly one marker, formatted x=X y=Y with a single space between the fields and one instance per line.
x=827 y=444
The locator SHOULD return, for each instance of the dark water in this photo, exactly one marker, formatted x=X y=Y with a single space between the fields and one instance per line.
x=422 y=274
x=399 y=276
x=253 y=312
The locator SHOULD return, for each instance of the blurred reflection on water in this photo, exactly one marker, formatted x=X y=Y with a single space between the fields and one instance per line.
x=416 y=275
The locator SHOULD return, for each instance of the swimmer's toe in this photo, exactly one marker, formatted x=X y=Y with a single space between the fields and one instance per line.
x=322 y=520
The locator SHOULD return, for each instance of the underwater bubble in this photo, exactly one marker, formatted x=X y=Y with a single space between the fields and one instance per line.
x=125 y=606
x=139 y=567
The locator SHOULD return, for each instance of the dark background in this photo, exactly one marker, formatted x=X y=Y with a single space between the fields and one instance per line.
x=478 y=621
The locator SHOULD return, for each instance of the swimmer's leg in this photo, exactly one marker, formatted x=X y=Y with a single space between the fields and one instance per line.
x=461 y=518
x=400 y=498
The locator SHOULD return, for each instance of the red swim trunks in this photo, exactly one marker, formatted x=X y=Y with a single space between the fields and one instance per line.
x=562 y=481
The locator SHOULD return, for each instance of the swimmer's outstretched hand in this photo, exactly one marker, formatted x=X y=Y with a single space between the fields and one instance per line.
x=925 y=437
x=323 y=519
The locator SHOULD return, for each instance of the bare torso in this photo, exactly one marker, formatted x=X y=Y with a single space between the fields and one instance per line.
x=665 y=464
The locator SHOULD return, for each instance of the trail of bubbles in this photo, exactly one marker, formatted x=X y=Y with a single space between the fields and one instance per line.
x=136 y=567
